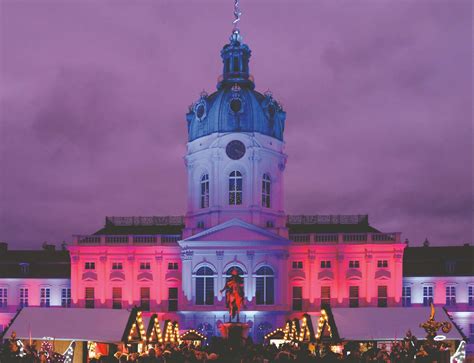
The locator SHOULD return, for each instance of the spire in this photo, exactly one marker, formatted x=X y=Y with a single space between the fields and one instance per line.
x=235 y=57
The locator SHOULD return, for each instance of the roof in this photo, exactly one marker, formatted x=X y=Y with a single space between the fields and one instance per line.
x=438 y=261
x=329 y=224
x=100 y=325
x=373 y=323
x=36 y=264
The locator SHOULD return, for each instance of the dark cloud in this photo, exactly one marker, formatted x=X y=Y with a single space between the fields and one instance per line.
x=93 y=98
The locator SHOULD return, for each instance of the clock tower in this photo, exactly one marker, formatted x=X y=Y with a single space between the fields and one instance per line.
x=235 y=153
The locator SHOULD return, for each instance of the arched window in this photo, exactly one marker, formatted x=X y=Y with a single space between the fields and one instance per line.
x=266 y=185
x=205 y=191
x=235 y=188
x=228 y=273
x=265 y=289
x=205 y=286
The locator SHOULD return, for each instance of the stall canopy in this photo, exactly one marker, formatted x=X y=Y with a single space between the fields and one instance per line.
x=383 y=324
x=100 y=325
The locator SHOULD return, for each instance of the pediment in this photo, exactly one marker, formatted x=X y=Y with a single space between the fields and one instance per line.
x=235 y=231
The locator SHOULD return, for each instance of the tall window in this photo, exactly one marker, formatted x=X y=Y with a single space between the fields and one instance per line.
x=145 y=298
x=116 y=298
x=205 y=191
x=235 y=188
x=354 y=264
x=266 y=185
x=3 y=297
x=470 y=295
x=173 y=299
x=89 y=266
x=427 y=295
x=45 y=297
x=117 y=266
x=90 y=298
x=205 y=286
x=265 y=286
x=382 y=296
x=325 y=295
x=23 y=297
x=450 y=295
x=297 y=298
x=325 y=264
x=406 y=296
x=66 y=297
x=353 y=296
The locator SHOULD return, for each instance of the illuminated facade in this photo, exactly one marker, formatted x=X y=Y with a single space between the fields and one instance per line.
x=235 y=160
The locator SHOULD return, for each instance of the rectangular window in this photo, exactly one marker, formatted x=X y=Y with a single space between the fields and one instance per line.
x=145 y=266
x=173 y=299
x=117 y=266
x=354 y=296
x=470 y=295
x=3 y=297
x=354 y=264
x=382 y=295
x=427 y=295
x=406 y=296
x=325 y=296
x=450 y=295
x=116 y=298
x=205 y=191
x=297 y=298
x=382 y=263
x=145 y=298
x=173 y=266
x=297 y=264
x=89 y=266
x=45 y=297
x=23 y=297
x=325 y=264
x=90 y=298
x=66 y=297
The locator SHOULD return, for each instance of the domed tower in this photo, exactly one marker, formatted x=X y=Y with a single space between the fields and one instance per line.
x=235 y=153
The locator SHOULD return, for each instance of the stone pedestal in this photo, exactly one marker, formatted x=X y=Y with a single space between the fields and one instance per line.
x=235 y=333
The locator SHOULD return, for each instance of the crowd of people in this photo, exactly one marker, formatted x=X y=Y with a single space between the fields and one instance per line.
x=219 y=351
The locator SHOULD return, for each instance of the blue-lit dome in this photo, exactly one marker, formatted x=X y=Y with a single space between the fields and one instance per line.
x=236 y=106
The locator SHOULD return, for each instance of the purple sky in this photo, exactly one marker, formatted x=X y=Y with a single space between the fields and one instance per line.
x=94 y=95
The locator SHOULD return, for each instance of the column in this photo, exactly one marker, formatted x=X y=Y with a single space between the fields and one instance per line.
x=219 y=283
x=130 y=279
x=75 y=279
x=369 y=277
x=397 y=281
x=159 y=277
x=103 y=280
x=186 y=258
x=250 y=288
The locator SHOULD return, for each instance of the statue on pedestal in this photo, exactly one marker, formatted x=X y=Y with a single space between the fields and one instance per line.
x=234 y=294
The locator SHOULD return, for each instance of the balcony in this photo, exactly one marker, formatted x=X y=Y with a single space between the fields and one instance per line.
x=126 y=240
x=344 y=238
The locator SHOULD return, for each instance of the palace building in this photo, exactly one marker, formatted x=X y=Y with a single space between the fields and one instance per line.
x=235 y=218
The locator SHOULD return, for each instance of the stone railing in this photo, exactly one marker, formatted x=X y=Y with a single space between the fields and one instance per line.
x=353 y=238
x=145 y=221
x=328 y=219
x=123 y=240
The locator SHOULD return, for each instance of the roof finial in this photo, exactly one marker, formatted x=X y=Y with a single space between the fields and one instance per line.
x=237 y=14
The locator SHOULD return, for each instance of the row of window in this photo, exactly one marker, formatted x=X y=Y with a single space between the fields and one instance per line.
x=352 y=264
x=236 y=189
x=428 y=295
x=297 y=297
x=119 y=266
x=144 y=298
x=45 y=297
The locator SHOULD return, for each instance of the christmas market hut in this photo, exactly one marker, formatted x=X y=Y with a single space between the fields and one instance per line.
x=193 y=337
x=95 y=331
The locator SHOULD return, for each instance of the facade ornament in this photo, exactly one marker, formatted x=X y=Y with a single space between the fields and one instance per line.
x=159 y=257
x=131 y=258
x=187 y=255
x=103 y=258
x=220 y=255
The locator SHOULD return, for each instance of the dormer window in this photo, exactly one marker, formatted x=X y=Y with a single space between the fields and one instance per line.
x=450 y=266
x=24 y=268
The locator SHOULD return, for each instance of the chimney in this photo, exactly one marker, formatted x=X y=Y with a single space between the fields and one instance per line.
x=48 y=247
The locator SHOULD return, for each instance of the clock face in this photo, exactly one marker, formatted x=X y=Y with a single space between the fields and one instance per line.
x=235 y=150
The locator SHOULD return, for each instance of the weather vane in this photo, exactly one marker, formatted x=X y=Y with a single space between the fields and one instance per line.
x=237 y=14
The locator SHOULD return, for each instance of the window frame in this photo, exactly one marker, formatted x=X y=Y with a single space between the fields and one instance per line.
x=266 y=191
x=45 y=297
x=204 y=275
x=235 y=194
x=204 y=194
x=267 y=282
